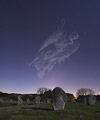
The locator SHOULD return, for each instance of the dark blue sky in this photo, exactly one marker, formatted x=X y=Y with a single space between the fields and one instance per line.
x=26 y=24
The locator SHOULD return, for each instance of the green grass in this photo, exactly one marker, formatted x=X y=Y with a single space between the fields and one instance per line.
x=45 y=112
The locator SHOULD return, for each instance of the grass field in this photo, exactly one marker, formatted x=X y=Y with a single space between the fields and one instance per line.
x=75 y=111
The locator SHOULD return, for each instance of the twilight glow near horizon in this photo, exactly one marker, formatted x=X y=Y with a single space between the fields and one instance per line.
x=49 y=44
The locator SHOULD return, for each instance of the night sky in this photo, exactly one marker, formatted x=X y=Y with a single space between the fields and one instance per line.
x=24 y=27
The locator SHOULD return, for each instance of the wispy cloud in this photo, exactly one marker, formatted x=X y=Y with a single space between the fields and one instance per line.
x=57 y=48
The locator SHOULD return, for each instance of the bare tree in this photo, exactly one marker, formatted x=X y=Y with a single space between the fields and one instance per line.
x=91 y=92
x=84 y=91
x=42 y=90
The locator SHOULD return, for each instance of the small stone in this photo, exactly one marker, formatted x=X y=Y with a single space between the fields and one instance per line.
x=20 y=101
x=1 y=100
x=28 y=100
x=81 y=117
x=37 y=99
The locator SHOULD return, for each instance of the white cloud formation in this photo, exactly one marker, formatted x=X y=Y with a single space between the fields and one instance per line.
x=57 y=48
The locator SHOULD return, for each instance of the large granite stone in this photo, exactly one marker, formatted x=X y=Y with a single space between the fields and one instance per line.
x=91 y=99
x=59 y=98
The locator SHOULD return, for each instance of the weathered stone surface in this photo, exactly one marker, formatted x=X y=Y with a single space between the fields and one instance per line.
x=59 y=98
x=37 y=99
x=91 y=99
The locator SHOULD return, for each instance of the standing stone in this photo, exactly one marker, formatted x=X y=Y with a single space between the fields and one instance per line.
x=59 y=98
x=98 y=98
x=20 y=101
x=72 y=99
x=48 y=100
x=91 y=99
x=37 y=99
x=28 y=100
x=11 y=101
x=1 y=100
x=34 y=100
x=81 y=117
x=85 y=100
